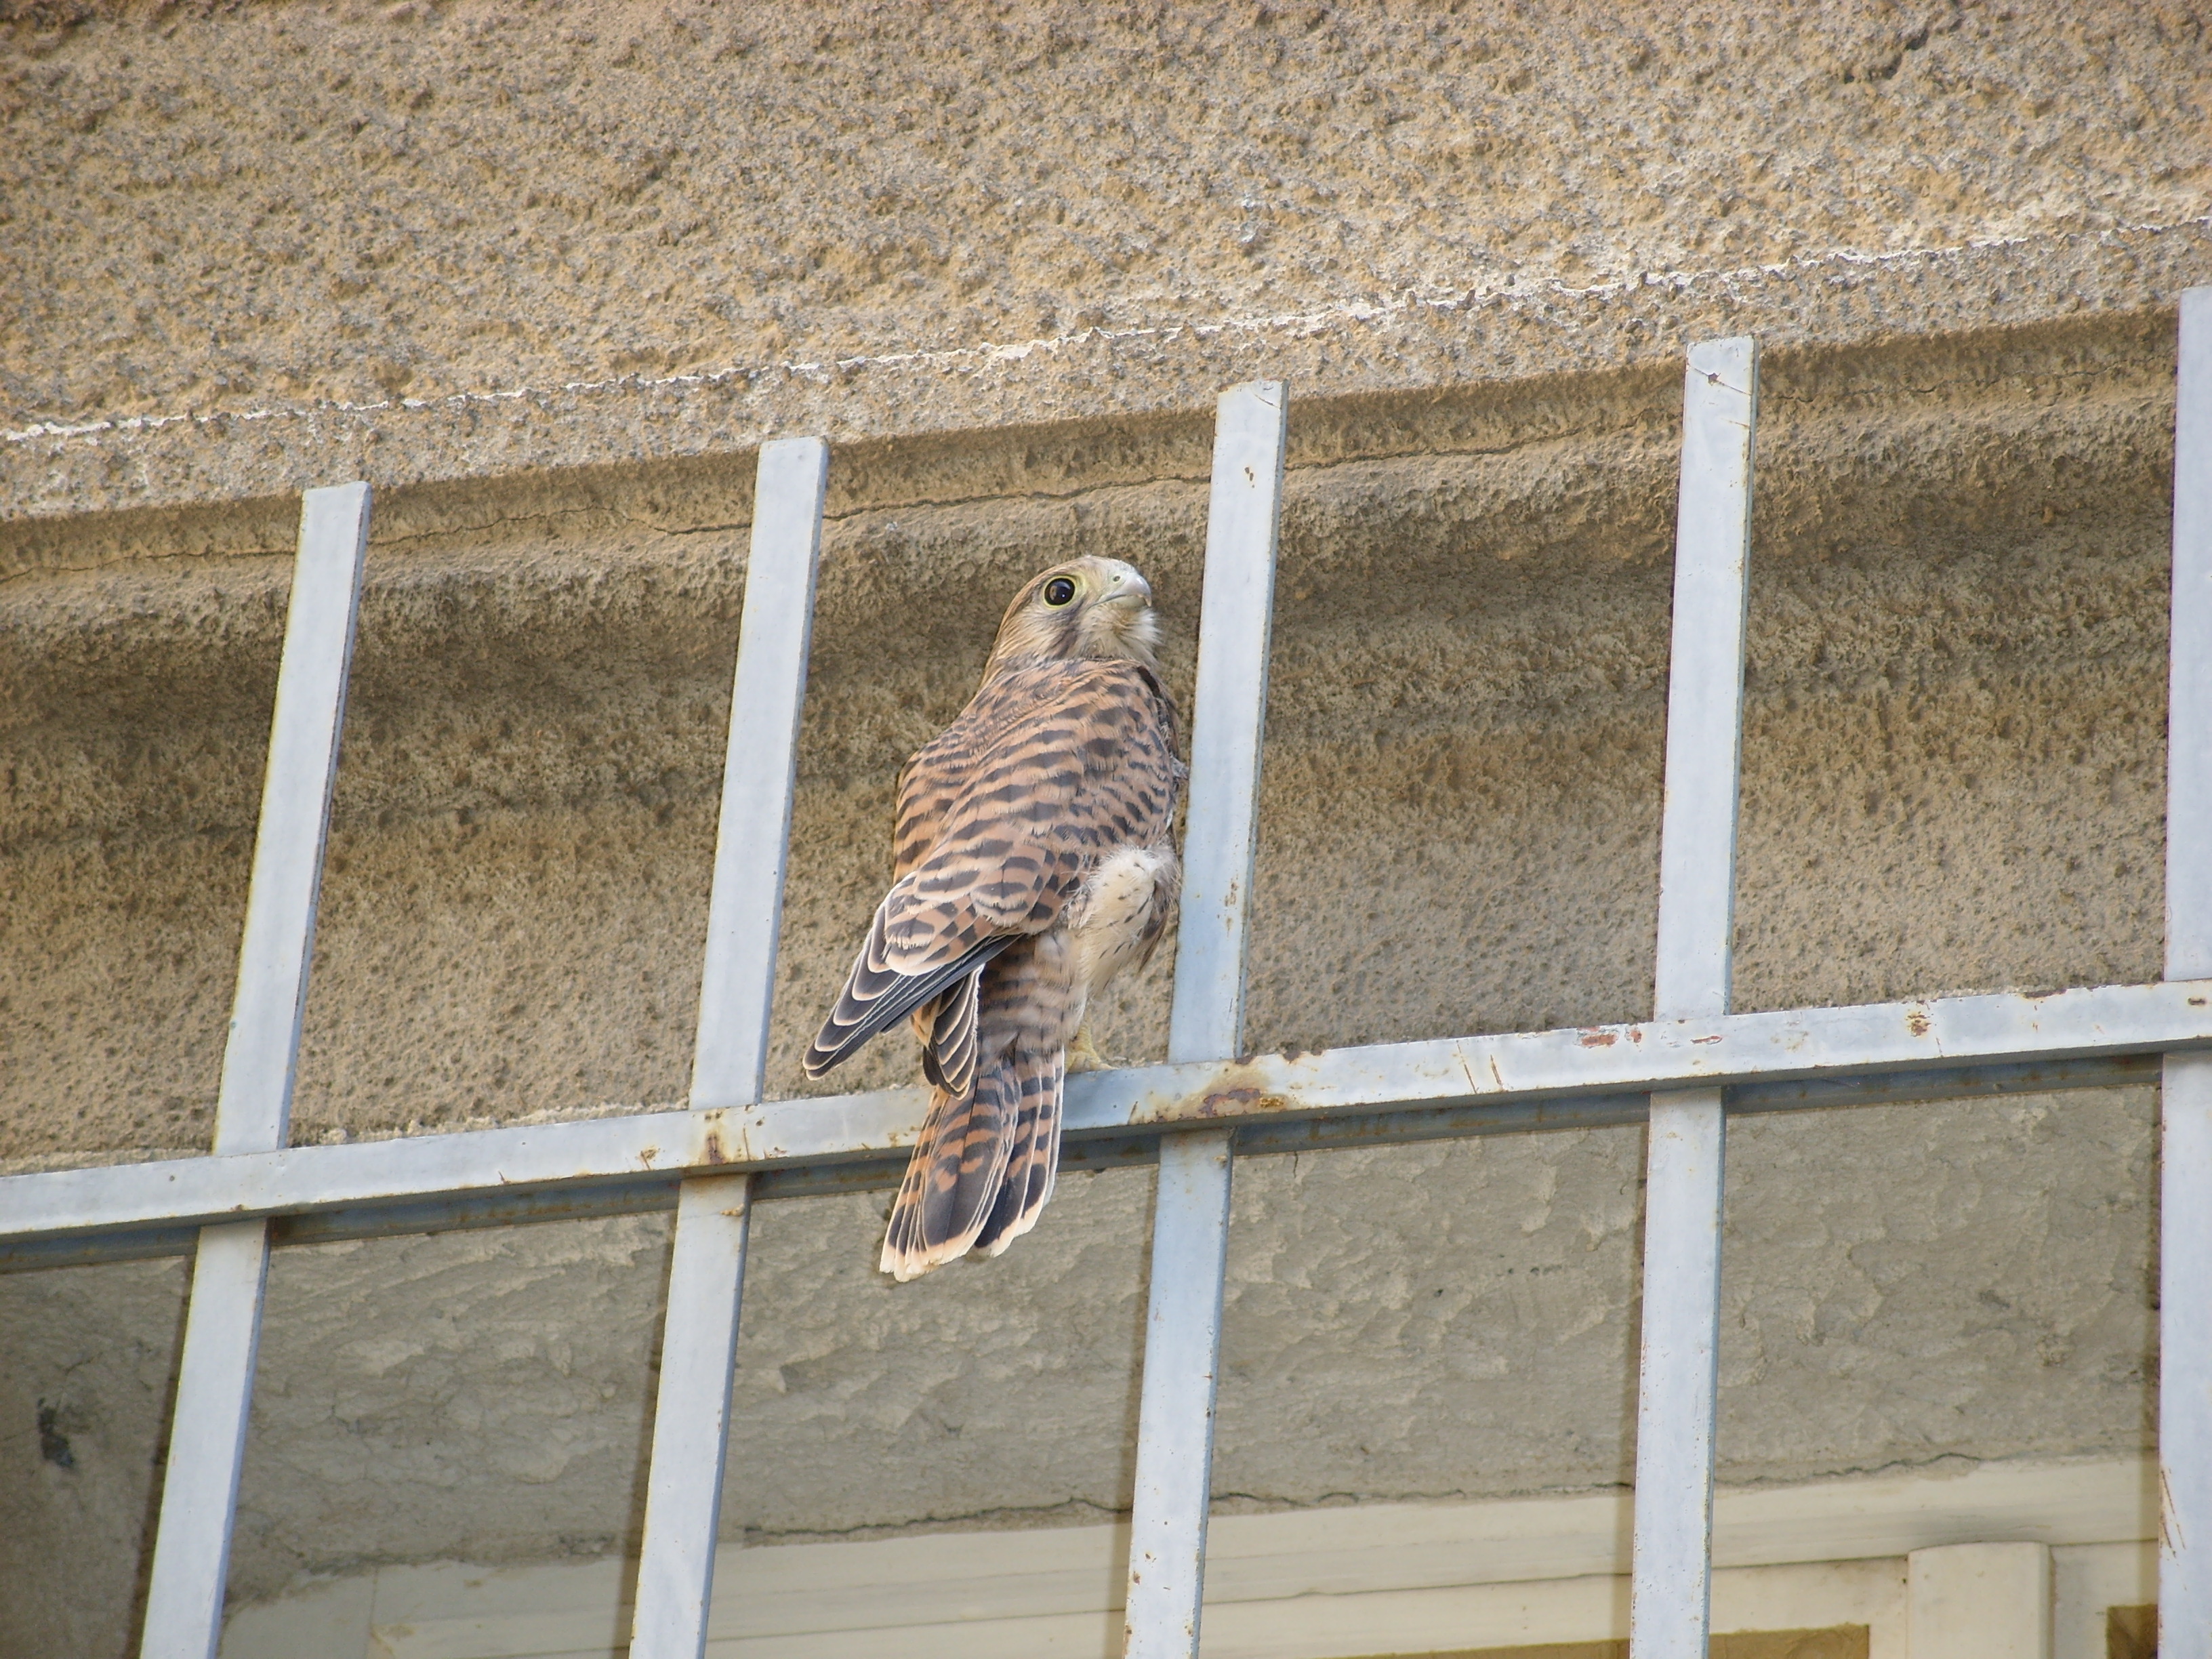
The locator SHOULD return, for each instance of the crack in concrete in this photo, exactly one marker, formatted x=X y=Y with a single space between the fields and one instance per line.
x=1959 y=1461
x=1977 y=383
x=965 y=1520
x=915 y=504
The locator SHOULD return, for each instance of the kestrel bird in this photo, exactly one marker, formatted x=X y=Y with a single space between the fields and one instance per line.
x=1033 y=858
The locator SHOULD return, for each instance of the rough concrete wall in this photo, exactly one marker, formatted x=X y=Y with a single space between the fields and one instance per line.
x=1952 y=768
x=90 y=1366
x=266 y=247
x=299 y=202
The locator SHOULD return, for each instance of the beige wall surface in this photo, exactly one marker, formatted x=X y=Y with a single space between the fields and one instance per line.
x=288 y=203
x=548 y=276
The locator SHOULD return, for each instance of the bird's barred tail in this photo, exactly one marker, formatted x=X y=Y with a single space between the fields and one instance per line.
x=982 y=1170
x=1032 y=1159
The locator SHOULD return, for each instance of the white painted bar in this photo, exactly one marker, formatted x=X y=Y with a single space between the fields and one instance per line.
x=253 y=1109
x=638 y=1194
x=1671 y=1593
x=1207 y=1018
x=1705 y=681
x=207 y=1443
x=1175 y=1410
x=690 y=1435
x=1676 y=1380
x=692 y=1417
x=222 y=1327
x=1190 y=1228
x=2185 y=1395
x=1760 y=1051
x=759 y=769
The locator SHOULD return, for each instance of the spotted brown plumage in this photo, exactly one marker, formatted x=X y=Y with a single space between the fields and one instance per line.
x=1032 y=861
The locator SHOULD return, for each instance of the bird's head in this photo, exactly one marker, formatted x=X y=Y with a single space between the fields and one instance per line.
x=1086 y=608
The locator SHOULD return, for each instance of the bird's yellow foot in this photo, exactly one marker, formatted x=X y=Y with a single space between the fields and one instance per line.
x=1082 y=1054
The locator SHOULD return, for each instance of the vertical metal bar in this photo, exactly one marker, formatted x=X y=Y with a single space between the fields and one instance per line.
x=759 y=770
x=1670 y=1599
x=1190 y=1230
x=2184 y=1319
x=691 y=1419
x=1207 y=1018
x=699 y=1341
x=222 y=1327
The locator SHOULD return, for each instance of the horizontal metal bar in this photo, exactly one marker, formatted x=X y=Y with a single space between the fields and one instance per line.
x=471 y=1210
x=1910 y=1088
x=1405 y=1125
x=23 y=1255
x=433 y=1214
x=1958 y=1037
x=1342 y=1133
x=1098 y=1150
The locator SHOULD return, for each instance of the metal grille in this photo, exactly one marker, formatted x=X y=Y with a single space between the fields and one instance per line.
x=1685 y=1071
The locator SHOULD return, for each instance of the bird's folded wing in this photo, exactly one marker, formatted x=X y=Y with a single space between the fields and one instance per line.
x=1049 y=767
x=1067 y=762
x=875 y=998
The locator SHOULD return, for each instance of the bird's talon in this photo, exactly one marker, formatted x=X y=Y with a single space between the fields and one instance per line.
x=1082 y=1054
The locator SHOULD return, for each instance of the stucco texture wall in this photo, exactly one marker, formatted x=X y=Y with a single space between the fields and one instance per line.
x=356 y=201
x=323 y=239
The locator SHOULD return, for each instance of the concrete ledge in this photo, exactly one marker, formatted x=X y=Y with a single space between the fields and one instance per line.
x=1451 y=338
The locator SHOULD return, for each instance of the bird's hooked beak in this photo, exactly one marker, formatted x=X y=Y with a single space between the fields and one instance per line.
x=1129 y=588
x=1125 y=610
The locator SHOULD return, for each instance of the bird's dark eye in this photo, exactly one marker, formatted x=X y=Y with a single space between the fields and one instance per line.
x=1060 y=591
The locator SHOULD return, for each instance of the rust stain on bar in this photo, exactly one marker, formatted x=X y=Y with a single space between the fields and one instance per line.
x=1466 y=1070
x=1239 y=1102
x=1241 y=1089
